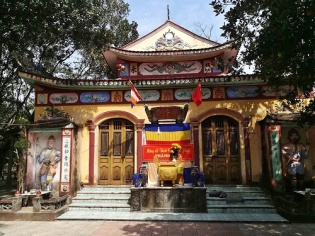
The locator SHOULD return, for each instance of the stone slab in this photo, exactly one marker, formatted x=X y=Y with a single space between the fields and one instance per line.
x=169 y=199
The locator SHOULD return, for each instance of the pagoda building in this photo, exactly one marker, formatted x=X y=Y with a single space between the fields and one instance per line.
x=185 y=96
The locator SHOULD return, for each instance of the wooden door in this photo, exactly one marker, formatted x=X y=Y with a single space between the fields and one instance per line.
x=116 y=155
x=221 y=150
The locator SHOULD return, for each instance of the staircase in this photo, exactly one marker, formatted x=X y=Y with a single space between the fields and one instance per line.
x=102 y=198
x=242 y=204
x=238 y=199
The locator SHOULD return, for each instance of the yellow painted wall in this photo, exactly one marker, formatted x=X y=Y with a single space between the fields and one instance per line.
x=254 y=108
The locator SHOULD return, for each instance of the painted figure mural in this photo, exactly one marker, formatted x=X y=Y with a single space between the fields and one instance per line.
x=48 y=158
x=293 y=153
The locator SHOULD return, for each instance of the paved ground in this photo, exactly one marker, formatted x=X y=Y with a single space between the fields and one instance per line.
x=118 y=228
x=127 y=226
x=171 y=217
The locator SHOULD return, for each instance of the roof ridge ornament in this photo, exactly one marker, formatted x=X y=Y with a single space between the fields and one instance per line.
x=168 y=12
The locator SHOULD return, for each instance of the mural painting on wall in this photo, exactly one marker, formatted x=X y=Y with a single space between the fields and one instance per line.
x=42 y=98
x=123 y=69
x=94 y=97
x=146 y=95
x=116 y=96
x=185 y=94
x=170 y=68
x=57 y=98
x=294 y=155
x=275 y=155
x=242 y=91
x=269 y=91
x=218 y=93
x=167 y=95
x=48 y=156
x=214 y=65
x=133 y=69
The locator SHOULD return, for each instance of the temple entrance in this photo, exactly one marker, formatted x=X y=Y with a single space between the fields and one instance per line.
x=116 y=154
x=221 y=158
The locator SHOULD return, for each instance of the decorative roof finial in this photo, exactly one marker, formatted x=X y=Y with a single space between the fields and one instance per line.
x=168 y=13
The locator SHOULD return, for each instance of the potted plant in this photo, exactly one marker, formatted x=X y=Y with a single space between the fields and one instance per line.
x=174 y=151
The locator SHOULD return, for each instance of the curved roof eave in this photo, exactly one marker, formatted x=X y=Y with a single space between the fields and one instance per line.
x=85 y=84
x=114 y=53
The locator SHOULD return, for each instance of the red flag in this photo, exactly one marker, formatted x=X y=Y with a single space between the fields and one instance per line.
x=197 y=95
x=134 y=95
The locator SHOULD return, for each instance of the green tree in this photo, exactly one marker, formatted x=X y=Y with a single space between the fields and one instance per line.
x=62 y=38
x=277 y=39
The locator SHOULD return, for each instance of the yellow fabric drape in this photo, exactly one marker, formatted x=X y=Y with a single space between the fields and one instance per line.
x=168 y=136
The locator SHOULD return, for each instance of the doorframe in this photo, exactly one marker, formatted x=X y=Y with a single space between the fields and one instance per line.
x=242 y=120
x=93 y=130
x=122 y=161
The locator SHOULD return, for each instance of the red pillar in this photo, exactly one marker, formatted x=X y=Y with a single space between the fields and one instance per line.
x=196 y=142
x=248 y=167
x=91 y=128
x=139 y=127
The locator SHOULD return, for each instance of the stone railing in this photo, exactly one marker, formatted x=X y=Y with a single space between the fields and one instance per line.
x=54 y=203
x=6 y=204
x=293 y=209
x=15 y=204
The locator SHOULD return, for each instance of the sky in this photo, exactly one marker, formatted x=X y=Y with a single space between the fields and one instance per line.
x=150 y=14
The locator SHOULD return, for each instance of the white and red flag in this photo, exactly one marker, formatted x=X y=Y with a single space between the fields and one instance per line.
x=134 y=94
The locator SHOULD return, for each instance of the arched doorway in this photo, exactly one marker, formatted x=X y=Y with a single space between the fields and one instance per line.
x=221 y=152
x=116 y=154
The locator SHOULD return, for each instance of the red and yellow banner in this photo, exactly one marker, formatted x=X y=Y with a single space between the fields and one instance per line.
x=163 y=152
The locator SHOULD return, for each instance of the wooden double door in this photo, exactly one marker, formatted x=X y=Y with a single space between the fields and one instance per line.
x=116 y=154
x=221 y=156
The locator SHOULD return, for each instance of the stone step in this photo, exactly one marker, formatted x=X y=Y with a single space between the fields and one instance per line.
x=239 y=188
x=244 y=201
x=109 y=199
x=101 y=199
x=111 y=207
x=105 y=189
x=238 y=199
x=258 y=209
x=102 y=194
x=235 y=193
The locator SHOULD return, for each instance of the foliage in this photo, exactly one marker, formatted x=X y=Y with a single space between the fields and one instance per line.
x=21 y=145
x=53 y=37
x=277 y=38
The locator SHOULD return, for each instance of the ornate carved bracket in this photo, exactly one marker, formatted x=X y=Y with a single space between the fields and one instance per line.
x=172 y=113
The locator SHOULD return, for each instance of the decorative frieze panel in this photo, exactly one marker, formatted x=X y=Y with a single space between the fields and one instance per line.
x=59 y=98
x=94 y=97
x=185 y=94
x=242 y=91
x=170 y=68
x=169 y=41
x=42 y=98
x=146 y=95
